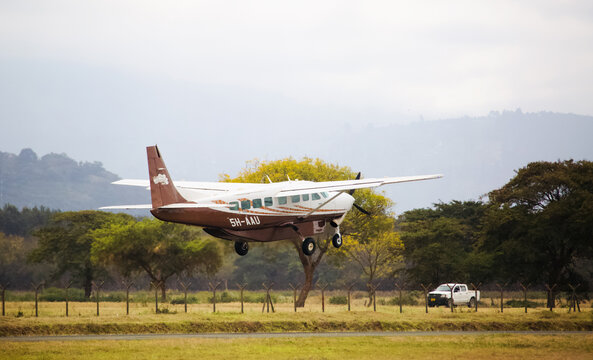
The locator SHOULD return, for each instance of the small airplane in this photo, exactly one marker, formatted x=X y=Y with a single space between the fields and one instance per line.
x=246 y=212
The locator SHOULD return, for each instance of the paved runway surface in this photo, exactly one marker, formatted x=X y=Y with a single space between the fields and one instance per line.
x=279 y=335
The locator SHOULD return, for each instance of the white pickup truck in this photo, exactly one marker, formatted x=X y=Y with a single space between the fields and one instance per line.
x=461 y=295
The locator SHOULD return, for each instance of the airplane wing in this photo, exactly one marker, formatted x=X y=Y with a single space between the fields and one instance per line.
x=297 y=187
x=194 y=185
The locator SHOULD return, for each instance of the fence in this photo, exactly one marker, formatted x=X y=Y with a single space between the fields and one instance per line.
x=404 y=296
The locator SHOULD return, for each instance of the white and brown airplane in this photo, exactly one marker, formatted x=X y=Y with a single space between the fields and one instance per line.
x=245 y=212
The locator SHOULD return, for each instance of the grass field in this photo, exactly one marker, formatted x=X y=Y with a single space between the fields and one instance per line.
x=501 y=346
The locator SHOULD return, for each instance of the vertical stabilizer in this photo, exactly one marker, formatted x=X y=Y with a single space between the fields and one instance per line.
x=162 y=190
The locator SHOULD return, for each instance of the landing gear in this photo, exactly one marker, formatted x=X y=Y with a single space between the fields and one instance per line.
x=241 y=247
x=337 y=240
x=309 y=246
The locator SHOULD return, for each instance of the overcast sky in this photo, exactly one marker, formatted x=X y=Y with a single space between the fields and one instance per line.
x=99 y=80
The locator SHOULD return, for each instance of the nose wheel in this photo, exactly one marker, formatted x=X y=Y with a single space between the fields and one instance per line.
x=241 y=248
x=337 y=240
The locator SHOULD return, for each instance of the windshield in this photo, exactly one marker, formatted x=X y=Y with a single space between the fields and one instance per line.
x=443 y=288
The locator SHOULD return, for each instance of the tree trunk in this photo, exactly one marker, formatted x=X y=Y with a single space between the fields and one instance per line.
x=309 y=265
x=163 y=290
x=307 y=285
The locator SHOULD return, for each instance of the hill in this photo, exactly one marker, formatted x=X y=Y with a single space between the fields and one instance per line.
x=59 y=182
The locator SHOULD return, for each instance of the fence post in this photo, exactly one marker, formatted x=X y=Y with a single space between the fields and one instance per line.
x=213 y=287
x=374 y=294
x=3 y=289
x=66 y=288
x=574 y=300
x=156 y=285
x=399 y=287
x=451 y=299
x=349 y=291
x=242 y=287
x=525 y=294
x=128 y=285
x=294 y=291
x=184 y=286
x=476 y=288
x=322 y=288
x=97 y=287
x=551 y=297
x=268 y=301
x=425 y=288
x=37 y=287
x=501 y=287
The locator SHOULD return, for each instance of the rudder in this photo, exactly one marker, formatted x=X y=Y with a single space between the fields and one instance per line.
x=162 y=190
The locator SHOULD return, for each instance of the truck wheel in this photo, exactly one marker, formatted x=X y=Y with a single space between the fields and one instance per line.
x=472 y=303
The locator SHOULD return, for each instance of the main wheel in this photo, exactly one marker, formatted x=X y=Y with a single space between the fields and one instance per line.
x=337 y=240
x=308 y=246
x=472 y=303
x=241 y=247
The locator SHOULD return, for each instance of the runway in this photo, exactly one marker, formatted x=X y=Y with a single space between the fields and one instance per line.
x=278 y=335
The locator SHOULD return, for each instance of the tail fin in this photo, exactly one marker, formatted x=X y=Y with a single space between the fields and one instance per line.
x=162 y=190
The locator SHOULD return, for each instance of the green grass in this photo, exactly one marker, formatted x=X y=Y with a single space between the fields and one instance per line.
x=413 y=347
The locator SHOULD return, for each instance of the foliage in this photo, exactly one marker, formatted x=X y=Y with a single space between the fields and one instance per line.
x=540 y=224
x=159 y=249
x=338 y=300
x=22 y=222
x=66 y=242
x=441 y=243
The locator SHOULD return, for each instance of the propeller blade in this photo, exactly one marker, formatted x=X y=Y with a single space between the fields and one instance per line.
x=361 y=209
x=357 y=178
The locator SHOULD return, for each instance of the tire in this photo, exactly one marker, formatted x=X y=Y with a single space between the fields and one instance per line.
x=337 y=241
x=241 y=248
x=472 y=303
x=309 y=246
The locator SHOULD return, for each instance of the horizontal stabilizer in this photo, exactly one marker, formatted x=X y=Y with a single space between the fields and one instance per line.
x=127 y=207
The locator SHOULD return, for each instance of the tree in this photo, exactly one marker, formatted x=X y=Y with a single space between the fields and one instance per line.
x=441 y=244
x=160 y=249
x=306 y=169
x=66 y=242
x=540 y=224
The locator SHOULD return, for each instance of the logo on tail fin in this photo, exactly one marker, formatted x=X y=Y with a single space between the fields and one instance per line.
x=160 y=179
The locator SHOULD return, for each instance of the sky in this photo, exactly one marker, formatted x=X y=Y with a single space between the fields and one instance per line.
x=217 y=83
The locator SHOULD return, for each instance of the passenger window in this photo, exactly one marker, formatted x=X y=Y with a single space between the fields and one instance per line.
x=324 y=194
x=256 y=203
x=295 y=198
x=268 y=201
x=282 y=200
x=305 y=197
x=234 y=205
x=245 y=205
x=315 y=196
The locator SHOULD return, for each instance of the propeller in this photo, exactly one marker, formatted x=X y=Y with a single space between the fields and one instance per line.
x=358 y=207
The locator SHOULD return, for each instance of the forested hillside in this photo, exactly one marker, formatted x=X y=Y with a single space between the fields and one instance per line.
x=58 y=182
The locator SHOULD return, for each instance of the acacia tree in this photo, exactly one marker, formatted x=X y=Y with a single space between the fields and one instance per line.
x=66 y=242
x=305 y=169
x=540 y=224
x=158 y=248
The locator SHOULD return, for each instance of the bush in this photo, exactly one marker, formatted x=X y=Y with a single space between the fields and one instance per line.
x=408 y=298
x=520 y=304
x=338 y=300
x=191 y=299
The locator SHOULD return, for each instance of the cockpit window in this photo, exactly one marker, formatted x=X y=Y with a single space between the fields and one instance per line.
x=324 y=194
x=315 y=196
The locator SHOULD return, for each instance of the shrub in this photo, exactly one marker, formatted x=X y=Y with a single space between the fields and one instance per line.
x=338 y=300
x=408 y=298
